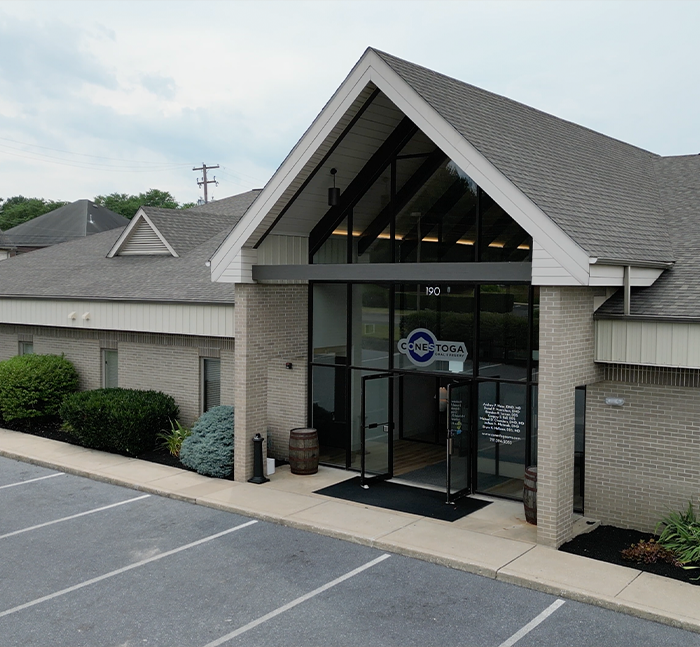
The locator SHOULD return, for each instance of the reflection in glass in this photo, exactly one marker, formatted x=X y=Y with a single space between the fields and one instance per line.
x=335 y=247
x=501 y=430
x=370 y=326
x=438 y=223
x=330 y=325
x=535 y=333
x=503 y=331
x=329 y=412
x=579 y=448
x=502 y=240
x=447 y=311
x=373 y=391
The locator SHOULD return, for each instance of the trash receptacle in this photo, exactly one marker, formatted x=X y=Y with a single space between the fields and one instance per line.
x=303 y=450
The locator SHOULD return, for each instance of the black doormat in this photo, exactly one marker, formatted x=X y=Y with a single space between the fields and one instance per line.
x=404 y=498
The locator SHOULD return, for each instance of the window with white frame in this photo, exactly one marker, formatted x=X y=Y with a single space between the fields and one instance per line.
x=26 y=348
x=110 y=368
x=211 y=383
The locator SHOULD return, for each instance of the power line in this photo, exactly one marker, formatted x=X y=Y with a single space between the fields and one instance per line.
x=61 y=150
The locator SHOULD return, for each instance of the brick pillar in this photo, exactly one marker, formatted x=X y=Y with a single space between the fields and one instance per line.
x=271 y=329
x=567 y=351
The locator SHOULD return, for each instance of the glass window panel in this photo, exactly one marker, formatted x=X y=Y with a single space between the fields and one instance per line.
x=211 y=380
x=501 y=429
x=447 y=311
x=329 y=412
x=335 y=247
x=503 y=331
x=535 y=333
x=372 y=223
x=502 y=239
x=330 y=323
x=579 y=447
x=26 y=348
x=370 y=326
x=438 y=223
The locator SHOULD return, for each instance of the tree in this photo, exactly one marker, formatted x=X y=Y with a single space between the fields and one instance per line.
x=128 y=205
x=18 y=209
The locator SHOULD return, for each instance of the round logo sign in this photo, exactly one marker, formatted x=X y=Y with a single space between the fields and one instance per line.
x=419 y=346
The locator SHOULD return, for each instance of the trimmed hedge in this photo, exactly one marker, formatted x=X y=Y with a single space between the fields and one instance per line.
x=209 y=449
x=34 y=386
x=118 y=420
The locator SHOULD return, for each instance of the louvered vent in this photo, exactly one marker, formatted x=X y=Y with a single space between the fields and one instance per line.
x=143 y=241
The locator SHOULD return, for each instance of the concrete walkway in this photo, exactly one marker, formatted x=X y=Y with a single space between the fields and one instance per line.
x=494 y=542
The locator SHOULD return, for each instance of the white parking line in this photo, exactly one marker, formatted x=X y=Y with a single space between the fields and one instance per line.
x=73 y=516
x=41 y=478
x=294 y=603
x=532 y=624
x=119 y=571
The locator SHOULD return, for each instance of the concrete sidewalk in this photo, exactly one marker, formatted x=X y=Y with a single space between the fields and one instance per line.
x=494 y=542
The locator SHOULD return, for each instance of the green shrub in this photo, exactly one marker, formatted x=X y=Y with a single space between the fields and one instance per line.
x=681 y=535
x=172 y=440
x=33 y=386
x=209 y=448
x=118 y=420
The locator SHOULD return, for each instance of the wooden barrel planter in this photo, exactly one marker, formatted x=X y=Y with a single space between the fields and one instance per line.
x=530 y=495
x=303 y=451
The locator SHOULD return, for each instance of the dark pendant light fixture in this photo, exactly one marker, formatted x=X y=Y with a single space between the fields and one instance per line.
x=333 y=192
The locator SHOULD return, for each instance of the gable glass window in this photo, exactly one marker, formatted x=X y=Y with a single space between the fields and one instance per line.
x=26 y=348
x=110 y=369
x=211 y=383
x=420 y=207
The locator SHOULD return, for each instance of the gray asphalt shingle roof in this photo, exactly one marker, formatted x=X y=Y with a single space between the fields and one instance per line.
x=676 y=293
x=76 y=220
x=600 y=191
x=80 y=269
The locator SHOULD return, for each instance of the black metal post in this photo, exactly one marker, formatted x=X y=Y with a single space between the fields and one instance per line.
x=258 y=474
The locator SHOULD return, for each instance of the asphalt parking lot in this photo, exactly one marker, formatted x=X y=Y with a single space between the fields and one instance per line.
x=88 y=563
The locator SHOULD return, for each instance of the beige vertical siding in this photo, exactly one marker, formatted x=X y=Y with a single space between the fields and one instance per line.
x=651 y=343
x=176 y=318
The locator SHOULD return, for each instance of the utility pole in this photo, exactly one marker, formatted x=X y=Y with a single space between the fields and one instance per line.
x=204 y=180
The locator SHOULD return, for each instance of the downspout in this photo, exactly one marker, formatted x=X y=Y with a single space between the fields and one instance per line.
x=628 y=291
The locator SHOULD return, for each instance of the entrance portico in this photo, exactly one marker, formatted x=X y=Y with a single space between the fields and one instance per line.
x=431 y=356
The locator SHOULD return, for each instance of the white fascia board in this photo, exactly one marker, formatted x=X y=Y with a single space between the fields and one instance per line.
x=125 y=235
x=528 y=215
x=372 y=68
x=334 y=111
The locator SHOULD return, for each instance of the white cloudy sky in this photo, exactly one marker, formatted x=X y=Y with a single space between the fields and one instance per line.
x=102 y=97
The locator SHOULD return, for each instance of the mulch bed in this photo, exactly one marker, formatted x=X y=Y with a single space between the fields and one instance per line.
x=605 y=543
x=51 y=428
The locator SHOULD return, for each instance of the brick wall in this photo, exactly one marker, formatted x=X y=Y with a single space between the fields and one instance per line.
x=567 y=344
x=83 y=353
x=172 y=370
x=271 y=323
x=642 y=459
x=168 y=363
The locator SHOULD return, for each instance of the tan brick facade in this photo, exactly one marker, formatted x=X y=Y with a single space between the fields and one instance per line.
x=567 y=343
x=271 y=323
x=167 y=363
x=643 y=458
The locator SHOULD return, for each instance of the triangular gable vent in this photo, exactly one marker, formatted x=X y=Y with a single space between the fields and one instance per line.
x=142 y=238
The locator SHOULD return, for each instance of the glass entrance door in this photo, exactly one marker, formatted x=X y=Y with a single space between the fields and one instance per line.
x=376 y=427
x=459 y=440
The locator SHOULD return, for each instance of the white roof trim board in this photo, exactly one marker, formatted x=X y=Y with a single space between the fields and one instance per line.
x=556 y=247
x=141 y=238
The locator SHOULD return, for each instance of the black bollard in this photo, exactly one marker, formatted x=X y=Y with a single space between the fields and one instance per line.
x=258 y=474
